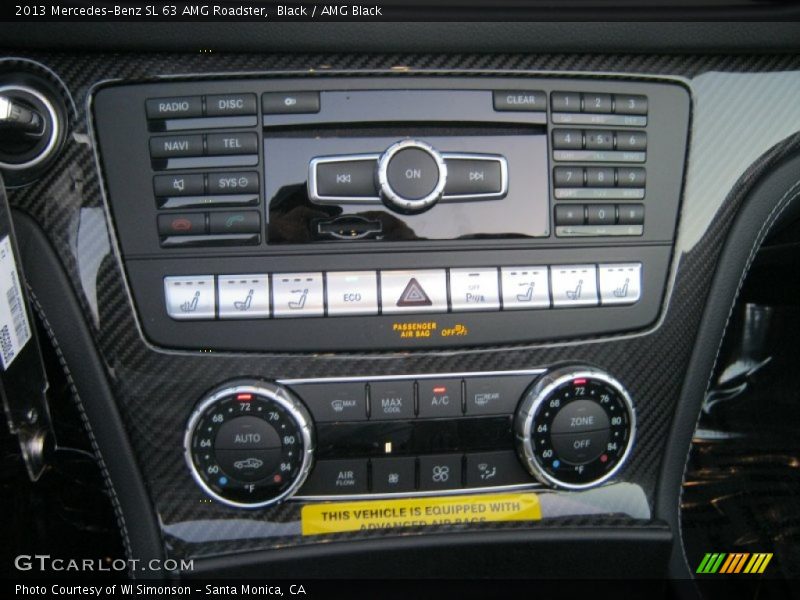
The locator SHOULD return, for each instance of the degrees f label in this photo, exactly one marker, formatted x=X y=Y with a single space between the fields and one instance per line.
x=15 y=331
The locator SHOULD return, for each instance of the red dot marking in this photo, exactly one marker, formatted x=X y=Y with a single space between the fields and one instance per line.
x=244 y=397
x=604 y=458
x=579 y=382
x=277 y=479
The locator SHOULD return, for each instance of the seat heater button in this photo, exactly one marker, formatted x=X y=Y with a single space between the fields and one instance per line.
x=243 y=296
x=190 y=297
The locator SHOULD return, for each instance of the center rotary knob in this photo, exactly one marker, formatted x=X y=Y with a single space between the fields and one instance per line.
x=411 y=175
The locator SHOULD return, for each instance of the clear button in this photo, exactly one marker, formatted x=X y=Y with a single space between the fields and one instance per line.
x=190 y=297
x=352 y=293
x=474 y=289
x=298 y=295
x=620 y=284
x=243 y=296
x=525 y=287
x=574 y=285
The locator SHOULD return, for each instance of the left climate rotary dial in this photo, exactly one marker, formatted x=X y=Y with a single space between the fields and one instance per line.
x=250 y=444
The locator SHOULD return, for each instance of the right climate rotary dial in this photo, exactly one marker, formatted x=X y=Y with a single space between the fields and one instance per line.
x=574 y=428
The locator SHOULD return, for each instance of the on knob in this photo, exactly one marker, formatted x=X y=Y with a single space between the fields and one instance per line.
x=411 y=176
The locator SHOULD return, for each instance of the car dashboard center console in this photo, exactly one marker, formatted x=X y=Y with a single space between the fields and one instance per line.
x=341 y=214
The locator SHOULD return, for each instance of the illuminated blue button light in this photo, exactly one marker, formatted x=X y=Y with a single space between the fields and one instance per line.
x=224 y=480
x=556 y=464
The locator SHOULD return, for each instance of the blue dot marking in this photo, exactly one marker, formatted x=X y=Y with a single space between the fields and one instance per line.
x=556 y=464
x=223 y=480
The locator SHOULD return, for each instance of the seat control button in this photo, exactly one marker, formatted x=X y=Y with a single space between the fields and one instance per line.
x=243 y=296
x=190 y=297
x=574 y=285
x=620 y=283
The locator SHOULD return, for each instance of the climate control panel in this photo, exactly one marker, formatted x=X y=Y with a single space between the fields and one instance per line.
x=252 y=443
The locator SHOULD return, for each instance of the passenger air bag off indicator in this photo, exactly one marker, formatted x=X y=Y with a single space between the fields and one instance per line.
x=341 y=517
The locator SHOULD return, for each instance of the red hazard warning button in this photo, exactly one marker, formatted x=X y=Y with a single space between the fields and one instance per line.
x=414 y=291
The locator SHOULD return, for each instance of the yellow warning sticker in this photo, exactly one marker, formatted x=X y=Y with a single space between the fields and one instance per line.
x=339 y=517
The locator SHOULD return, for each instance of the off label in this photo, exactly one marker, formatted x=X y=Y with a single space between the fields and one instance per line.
x=385 y=514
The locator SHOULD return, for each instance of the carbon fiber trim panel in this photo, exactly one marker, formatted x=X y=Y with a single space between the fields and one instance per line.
x=156 y=390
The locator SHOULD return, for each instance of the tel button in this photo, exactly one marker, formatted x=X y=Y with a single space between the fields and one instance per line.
x=232 y=143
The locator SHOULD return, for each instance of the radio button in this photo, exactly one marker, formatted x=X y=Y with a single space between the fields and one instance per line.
x=631 y=140
x=439 y=398
x=174 y=108
x=570 y=177
x=631 y=214
x=574 y=285
x=332 y=402
x=494 y=395
x=171 y=146
x=230 y=105
x=525 y=287
x=474 y=289
x=352 y=293
x=345 y=179
x=597 y=103
x=423 y=291
x=390 y=400
x=570 y=214
x=620 y=284
x=391 y=475
x=473 y=177
x=520 y=100
x=599 y=140
x=298 y=295
x=178 y=185
x=565 y=101
x=440 y=472
x=601 y=214
x=189 y=298
x=243 y=296
x=278 y=103
x=567 y=139
x=495 y=468
x=182 y=224
x=634 y=177
x=233 y=183
x=231 y=143
x=245 y=221
x=626 y=104
x=336 y=477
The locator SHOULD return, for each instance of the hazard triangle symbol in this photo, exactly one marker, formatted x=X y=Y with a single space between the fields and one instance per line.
x=414 y=295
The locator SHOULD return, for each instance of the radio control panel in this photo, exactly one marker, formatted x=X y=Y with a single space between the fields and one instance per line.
x=244 y=203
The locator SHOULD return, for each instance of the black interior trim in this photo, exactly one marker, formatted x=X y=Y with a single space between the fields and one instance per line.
x=520 y=36
x=751 y=226
x=46 y=277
